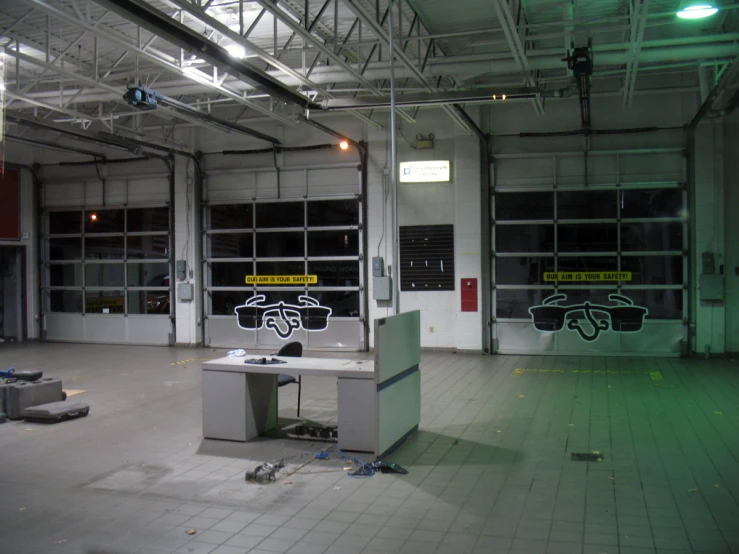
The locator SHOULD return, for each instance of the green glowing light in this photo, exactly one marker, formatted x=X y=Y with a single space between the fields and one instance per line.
x=697 y=11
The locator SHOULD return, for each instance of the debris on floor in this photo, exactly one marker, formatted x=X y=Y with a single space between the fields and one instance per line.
x=191 y=531
x=264 y=473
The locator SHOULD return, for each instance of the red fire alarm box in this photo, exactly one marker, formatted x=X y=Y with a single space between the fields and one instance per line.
x=469 y=295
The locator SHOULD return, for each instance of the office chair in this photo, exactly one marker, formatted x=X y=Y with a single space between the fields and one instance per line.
x=291 y=350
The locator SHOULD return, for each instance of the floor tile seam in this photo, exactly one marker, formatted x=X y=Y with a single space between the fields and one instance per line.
x=641 y=397
x=706 y=394
x=707 y=451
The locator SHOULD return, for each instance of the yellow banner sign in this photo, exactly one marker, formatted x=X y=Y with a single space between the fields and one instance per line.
x=587 y=276
x=281 y=279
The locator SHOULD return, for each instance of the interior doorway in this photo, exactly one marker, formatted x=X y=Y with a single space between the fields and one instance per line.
x=12 y=293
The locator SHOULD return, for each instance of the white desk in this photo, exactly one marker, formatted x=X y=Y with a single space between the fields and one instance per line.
x=379 y=401
x=240 y=399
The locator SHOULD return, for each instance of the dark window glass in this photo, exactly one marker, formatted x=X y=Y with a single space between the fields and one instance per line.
x=654 y=270
x=335 y=273
x=600 y=237
x=104 y=302
x=104 y=275
x=296 y=267
x=231 y=216
x=280 y=245
x=651 y=236
x=148 y=219
x=232 y=245
x=587 y=263
x=104 y=221
x=342 y=304
x=65 y=222
x=524 y=205
x=587 y=204
x=282 y=214
x=65 y=275
x=333 y=212
x=230 y=274
x=65 y=249
x=65 y=301
x=515 y=304
x=662 y=304
x=522 y=271
x=148 y=247
x=524 y=238
x=224 y=302
x=148 y=302
x=333 y=243
x=148 y=275
x=105 y=248
x=651 y=203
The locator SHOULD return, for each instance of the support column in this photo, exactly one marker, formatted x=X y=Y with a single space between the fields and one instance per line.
x=186 y=229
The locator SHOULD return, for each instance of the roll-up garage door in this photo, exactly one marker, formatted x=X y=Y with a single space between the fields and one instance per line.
x=107 y=264
x=596 y=265
x=284 y=262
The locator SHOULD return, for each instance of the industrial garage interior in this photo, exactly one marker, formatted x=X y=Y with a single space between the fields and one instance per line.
x=550 y=183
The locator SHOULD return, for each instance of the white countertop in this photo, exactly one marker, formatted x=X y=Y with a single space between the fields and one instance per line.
x=327 y=367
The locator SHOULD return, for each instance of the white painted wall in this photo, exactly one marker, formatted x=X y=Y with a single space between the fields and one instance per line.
x=443 y=325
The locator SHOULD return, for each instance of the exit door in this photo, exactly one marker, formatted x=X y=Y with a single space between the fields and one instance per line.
x=12 y=293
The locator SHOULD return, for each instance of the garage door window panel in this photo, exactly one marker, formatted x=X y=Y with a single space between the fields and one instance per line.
x=280 y=245
x=232 y=216
x=511 y=206
x=65 y=223
x=522 y=270
x=333 y=213
x=584 y=204
x=333 y=243
x=599 y=237
x=104 y=221
x=280 y=214
x=231 y=245
x=524 y=238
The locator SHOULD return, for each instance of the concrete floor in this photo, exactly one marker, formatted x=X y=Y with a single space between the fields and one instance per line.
x=490 y=468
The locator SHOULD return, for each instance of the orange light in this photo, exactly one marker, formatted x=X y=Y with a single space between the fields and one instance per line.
x=504 y=97
x=343 y=145
x=93 y=217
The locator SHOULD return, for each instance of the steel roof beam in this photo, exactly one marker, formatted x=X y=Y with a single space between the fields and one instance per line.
x=505 y=17
x=309 y=37
x=638 y=25
x=111 y=35
x=417 y=73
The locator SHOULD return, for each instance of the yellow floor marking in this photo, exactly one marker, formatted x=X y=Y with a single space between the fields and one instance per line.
x=656 y=378
x=521 y=371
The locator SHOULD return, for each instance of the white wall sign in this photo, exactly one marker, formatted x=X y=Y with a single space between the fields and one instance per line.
x=425 y=172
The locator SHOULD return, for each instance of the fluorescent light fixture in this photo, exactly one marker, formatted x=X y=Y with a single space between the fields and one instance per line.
x=694 y=10
x=236 y=50
x=2 y=86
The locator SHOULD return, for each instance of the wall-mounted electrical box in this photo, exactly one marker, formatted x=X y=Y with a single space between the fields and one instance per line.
x=181 y=269
x=185 y=292
x=382 y=288
x=712 y=287
x=378 y=267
